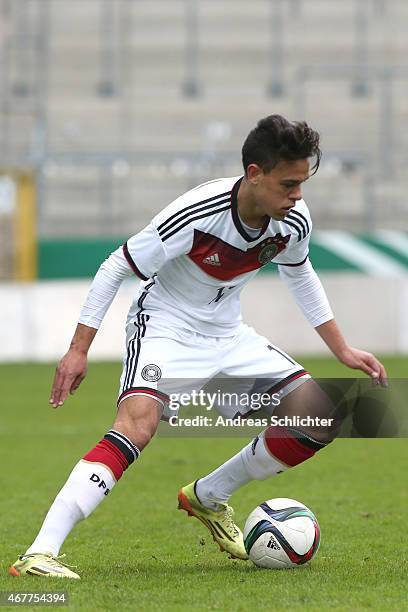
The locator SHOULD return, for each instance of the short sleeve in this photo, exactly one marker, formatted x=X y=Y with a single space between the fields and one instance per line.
x=159 y=242
x=299 y=223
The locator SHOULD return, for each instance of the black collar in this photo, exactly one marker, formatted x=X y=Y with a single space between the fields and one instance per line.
x=237 y=220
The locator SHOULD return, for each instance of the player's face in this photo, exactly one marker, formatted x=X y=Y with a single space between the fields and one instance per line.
x=277 y=191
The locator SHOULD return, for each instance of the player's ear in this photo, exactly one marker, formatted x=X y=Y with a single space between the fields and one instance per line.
x=254 y=173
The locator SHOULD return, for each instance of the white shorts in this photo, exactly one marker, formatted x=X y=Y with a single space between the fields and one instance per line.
x=162 y=362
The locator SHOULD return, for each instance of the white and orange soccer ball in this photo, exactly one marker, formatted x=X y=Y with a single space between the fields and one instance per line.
x=281 y=533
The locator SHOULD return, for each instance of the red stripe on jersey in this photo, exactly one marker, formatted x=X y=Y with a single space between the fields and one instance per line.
x=285 y=447
x=225 y=261
x=132 y=264
x=107 y=453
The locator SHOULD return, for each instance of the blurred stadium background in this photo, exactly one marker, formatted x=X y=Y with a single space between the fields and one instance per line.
x=109 y=109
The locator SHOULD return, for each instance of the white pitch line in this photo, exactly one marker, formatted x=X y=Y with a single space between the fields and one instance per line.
x=362 y=255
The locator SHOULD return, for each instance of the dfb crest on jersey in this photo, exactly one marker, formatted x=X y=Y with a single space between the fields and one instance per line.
x=271 y=247
x=151 y=373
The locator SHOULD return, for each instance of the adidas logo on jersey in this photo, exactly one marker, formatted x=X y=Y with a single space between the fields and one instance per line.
x=212 y=260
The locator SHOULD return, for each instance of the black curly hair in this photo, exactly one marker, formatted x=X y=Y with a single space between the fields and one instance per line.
x=276 y=139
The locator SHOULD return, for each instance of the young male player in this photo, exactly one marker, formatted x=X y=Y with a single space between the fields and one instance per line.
x=185 y=323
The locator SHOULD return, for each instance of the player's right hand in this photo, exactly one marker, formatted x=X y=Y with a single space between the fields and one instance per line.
x=69 y=374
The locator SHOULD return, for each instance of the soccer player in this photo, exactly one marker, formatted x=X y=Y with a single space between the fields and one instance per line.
x=193 y=260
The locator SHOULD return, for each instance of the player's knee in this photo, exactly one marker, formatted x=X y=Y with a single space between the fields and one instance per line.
x=138 y=429
x=138 y=419
x=327 y=424
x=313 y=412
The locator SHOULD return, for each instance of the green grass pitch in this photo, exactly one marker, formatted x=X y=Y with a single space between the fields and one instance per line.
x=137 y=552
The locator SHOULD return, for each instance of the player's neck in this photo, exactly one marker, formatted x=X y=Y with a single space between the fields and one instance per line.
x=249 y=211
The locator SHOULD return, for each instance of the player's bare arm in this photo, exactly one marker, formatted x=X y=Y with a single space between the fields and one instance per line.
x=72 y=368
x=351 y=357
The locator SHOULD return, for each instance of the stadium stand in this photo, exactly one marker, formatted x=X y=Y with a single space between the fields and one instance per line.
x=120 y=106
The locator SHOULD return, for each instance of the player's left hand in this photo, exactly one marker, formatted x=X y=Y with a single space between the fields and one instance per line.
x=368 y=363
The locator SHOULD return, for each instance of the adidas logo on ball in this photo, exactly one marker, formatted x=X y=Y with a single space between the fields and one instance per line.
x=281 y=533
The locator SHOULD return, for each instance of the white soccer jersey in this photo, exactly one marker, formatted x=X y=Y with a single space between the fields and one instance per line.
x=196 y=256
